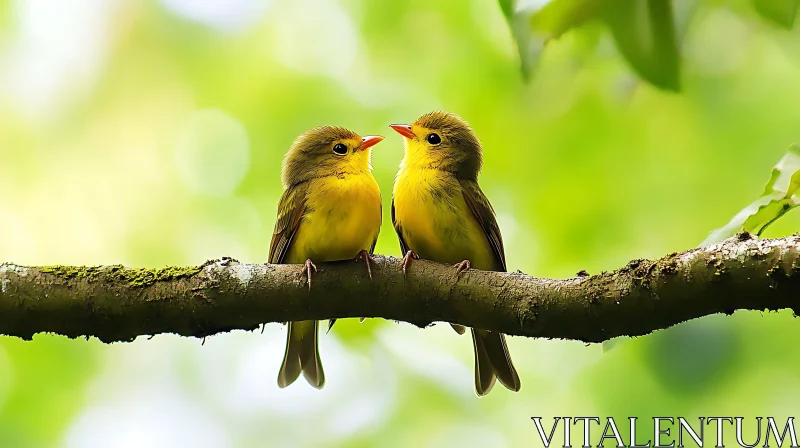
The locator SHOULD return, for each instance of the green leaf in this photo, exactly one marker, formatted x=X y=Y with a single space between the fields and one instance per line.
x=529 y=45
x=508 y=7
x=684 y=11
x=533 y=29
x=781 y=12
x=644 y=31
x=559 y=16
x=780 y=195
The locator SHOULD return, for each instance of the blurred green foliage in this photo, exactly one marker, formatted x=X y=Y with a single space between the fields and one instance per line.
x=42 y=383
x=105 y=113
x=648 y=33
x=782 y=12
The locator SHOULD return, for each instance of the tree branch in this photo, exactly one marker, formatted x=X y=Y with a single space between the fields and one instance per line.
x=115 y=303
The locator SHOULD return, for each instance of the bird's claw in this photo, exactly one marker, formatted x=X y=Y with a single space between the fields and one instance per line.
x=309 y=266
x=364 y=255
x=462 y=267
x=410 y=255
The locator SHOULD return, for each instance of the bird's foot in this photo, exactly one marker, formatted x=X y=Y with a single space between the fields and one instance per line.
x=462 y=267
x=407 y=259
x=364 y=255
x=309 y=266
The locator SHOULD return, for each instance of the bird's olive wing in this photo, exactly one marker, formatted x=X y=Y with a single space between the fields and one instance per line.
x=398 y=229
x=484 y=213
x=290 y=211
x=374 y=242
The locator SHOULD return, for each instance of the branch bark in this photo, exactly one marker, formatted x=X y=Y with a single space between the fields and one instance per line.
x=115 y=303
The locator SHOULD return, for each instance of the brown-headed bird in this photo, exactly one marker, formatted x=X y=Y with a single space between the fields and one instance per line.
x=330 y=210
x=441 y=214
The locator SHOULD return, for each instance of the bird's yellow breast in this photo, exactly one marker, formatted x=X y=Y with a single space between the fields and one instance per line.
x=435 y=220
x=342 y=218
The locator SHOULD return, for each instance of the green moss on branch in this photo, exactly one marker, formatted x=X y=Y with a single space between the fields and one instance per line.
x=134 y=277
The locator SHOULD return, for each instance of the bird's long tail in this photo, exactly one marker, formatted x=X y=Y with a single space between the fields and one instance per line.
x=492 y=361
x=302 y=355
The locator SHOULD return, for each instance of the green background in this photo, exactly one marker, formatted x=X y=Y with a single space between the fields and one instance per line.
x=151 y=133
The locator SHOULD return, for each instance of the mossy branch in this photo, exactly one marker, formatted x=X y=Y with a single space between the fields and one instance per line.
x=115 y=303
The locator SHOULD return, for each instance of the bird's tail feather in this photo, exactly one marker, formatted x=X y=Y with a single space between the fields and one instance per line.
x=484 y=372
x=302 y=355
x=493 y=361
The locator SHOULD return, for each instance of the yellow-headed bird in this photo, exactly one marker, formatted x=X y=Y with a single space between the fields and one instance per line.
x=330 y=210
x=441 y=214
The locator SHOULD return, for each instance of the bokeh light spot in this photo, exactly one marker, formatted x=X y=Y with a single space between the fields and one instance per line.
x=41 y=66
x=212 y=153
x=325 y=42
x=720 y=29
x=223 y=15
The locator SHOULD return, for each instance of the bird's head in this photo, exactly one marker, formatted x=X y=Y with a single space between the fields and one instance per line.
x=327 y=151
x=444 y=141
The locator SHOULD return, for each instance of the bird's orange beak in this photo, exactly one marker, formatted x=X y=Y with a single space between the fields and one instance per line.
x=404 y=130
x=369 y=141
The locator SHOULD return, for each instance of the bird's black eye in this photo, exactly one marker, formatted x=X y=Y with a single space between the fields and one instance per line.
x=340 y=149
x=433 y=139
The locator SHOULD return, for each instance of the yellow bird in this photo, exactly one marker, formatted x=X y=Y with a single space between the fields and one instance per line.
x=441 y=214
x=330 y=210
